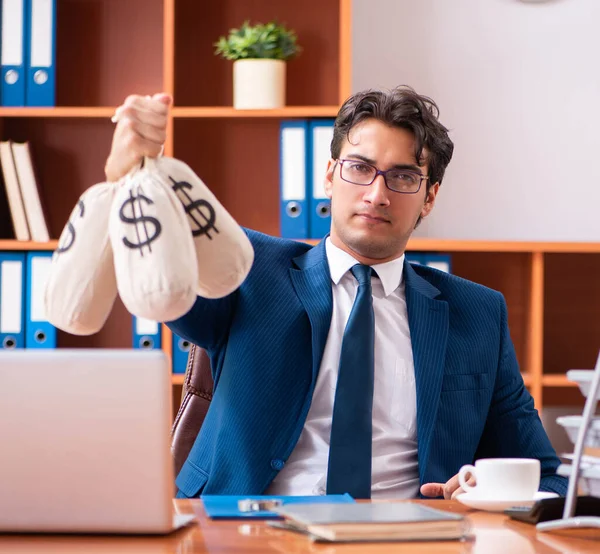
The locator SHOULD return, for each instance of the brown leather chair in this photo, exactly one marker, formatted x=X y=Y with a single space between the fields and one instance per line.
x=195 y=400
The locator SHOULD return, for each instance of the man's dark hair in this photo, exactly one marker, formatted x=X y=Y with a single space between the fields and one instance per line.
x=400 y=107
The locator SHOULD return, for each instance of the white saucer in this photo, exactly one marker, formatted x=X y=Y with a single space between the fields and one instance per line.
x=473 y=500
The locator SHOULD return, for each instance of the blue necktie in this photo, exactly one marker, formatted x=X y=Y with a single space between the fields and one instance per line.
x=349 y=468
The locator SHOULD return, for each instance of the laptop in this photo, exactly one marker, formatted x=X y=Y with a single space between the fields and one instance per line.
x=85 y=442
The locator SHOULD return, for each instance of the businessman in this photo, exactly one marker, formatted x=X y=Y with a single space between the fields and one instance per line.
x=341 y=367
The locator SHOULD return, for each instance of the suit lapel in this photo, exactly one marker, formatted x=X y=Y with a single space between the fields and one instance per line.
x=312 y=282
x=428 y=322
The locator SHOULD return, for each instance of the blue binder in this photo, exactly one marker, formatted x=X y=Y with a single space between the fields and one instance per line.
x=319 y=149
x=146 y=333
x=443 y=262
x=413 y=258
x=41 y=54
x=226 y=506
x=13 y=52
x=12 y=300
x=293 y=179
x=39 y=332
x=181 y=349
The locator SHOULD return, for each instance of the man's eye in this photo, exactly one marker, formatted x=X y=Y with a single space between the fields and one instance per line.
x=360 y=168
x=404 y=177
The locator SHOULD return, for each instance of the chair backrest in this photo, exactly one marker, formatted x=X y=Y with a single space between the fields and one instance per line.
x=195 y=400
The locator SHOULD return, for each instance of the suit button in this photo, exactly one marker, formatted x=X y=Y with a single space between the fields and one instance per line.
x=277 y=464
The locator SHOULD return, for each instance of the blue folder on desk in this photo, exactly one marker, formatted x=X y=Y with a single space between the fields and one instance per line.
x=226 y=507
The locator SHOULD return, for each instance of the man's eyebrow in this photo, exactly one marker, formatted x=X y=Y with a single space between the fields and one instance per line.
x=412 y=167
x=362 y=158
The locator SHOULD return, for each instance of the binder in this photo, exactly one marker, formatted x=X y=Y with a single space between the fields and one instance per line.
x=438 y=261
x=320 y=136
x=12 y=300
x=293 y=178
x=228 y=506
x=40 y=89
x=39 y=332
x=146 y=333
x=12 y=52
x=181 y=349
x=413 y=258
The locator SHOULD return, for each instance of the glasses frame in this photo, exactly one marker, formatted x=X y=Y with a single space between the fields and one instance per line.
x=382 y=173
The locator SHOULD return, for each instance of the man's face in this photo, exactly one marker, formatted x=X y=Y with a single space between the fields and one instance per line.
x=374 y=223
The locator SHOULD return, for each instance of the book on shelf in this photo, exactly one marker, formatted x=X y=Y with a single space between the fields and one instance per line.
x=23 y=192
x=13 y=192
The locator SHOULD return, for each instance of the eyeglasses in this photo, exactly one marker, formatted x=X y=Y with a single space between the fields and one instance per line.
x=361 y=173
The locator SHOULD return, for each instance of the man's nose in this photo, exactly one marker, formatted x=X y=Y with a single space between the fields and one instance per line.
x=377 y=193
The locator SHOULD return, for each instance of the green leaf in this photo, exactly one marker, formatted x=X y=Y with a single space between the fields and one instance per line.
x=262 y=41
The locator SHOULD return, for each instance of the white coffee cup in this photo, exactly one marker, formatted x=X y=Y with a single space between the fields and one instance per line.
x=502 y=478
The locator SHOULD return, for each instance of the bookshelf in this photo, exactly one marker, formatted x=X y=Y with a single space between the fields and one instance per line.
x=107 y=50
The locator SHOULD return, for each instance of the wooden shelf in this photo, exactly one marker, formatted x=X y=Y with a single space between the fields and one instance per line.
x=6 y=244
x=58 y=112
x=557 y=381
x=526 y=379
x=178 y=112
x=444 y=245
x=413 y=245
x=226 y=111
x=177 y=378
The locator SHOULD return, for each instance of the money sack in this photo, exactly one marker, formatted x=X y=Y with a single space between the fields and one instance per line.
x=223 y=251
x=81 y=288
x=154 y=255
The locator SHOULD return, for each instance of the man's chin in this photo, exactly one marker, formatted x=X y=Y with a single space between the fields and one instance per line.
x=369 y=245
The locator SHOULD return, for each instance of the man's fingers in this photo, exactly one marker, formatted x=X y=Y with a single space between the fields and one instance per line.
x=460 y=490
x=146 y=131
x=451 y=485
x=449 y=490
x=144 y=116
x=163 y=97
x=159 y=105
x=432 y=489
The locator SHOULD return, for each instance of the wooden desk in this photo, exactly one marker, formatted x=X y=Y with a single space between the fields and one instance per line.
x=494 y=533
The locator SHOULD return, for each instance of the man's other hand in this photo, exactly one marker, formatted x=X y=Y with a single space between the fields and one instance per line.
x=449 y=490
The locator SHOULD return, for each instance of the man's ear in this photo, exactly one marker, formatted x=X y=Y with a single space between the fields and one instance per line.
x=328 y=179
x=430 y=200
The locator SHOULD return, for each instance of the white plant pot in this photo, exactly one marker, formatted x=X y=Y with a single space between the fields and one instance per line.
x=258 y=84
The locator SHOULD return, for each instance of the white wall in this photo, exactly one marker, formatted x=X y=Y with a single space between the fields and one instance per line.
x=518 y=84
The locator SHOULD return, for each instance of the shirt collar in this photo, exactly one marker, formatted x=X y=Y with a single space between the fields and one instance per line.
x=390 y=273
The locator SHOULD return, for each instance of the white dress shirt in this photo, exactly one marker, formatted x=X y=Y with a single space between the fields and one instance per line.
x=395 y=472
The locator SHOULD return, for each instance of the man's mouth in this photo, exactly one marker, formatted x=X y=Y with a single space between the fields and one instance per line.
x=373 y=218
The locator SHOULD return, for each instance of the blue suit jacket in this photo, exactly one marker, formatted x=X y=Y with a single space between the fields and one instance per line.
x=266 y=341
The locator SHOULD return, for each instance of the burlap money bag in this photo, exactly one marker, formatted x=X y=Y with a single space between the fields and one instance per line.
x=81 y=288
x=154 y=255
x=223 y=250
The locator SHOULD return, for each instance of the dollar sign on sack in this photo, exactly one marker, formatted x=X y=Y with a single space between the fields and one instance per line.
x=195 y=209
x=69 y=240
x=141 y=222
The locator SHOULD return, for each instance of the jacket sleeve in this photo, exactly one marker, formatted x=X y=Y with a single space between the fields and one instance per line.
x=513 y=428
x=208 y=321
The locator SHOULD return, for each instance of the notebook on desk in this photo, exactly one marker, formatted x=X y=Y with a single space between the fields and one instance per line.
x=85 y=441
x=385 y=521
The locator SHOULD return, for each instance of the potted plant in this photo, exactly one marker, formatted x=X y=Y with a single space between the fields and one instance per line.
x=259 y=53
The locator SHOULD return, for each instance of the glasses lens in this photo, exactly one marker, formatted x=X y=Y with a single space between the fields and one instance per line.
x=403 y=181
x=358 y=172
